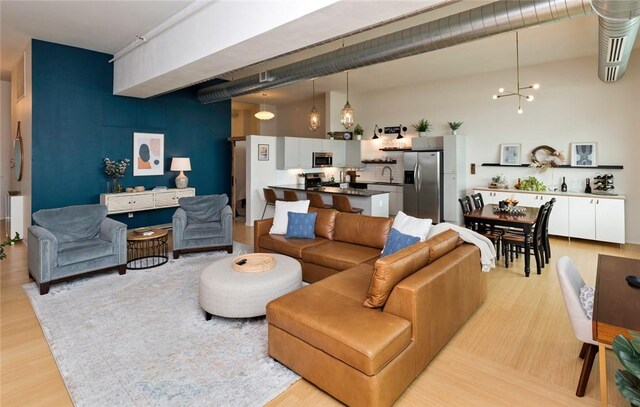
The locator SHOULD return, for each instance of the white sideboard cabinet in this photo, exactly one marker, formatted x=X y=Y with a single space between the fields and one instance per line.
x=145 y=200
x=14 y=215
x=574 y=214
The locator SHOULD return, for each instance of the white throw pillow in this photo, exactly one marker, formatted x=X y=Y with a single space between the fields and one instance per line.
x=409 y=225
x=586 y=299
x=280 y=217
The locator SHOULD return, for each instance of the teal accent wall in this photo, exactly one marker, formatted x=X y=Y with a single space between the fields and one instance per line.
x=77 y=122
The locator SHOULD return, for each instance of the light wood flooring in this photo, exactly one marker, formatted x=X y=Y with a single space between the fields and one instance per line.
x=517 y=349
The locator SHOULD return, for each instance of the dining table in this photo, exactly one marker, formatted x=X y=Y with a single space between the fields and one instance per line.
x=519 y=217
x=616 y=307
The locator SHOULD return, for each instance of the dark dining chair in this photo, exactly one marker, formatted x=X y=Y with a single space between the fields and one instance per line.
x=491 y=233
x=341 y=203
x=270 y=197
x=290 y=196
x=477 y=200
x=315 y=201
x=545 y=232
x=513 y=243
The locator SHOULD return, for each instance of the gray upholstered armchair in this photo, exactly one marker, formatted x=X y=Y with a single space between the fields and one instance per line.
x=66 y=242
x=202 y=223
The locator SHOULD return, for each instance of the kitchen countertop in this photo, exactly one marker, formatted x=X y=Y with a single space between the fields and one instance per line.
x=558 y=193
x=331 y=190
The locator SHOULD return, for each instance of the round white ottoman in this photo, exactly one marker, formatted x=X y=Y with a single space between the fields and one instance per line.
x=234 y=294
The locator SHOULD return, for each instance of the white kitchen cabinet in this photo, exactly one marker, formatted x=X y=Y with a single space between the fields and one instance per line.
x=321 y=145
x=609 y=220
x=582 y=218
x=288 y=153
x=454 y=154
x=493 y=197
x=559 y=220
x=142 y=201
x=452 y=192
x=305 y=153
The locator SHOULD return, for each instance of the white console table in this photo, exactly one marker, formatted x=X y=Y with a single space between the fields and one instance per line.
x=143 y=201
x=13 y=218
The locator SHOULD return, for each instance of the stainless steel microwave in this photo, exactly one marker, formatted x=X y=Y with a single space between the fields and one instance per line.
x=322 y=159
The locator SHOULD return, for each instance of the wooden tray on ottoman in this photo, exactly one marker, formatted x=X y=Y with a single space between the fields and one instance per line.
x=254 y=263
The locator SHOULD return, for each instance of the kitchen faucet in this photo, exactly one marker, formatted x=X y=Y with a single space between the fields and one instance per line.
x=390 y=173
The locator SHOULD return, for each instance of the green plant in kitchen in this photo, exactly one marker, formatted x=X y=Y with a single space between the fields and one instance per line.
x=532 y=184
x=499 y=181
x=422 y=127
x=358 y=130
x=628 y=381
x=454 y=126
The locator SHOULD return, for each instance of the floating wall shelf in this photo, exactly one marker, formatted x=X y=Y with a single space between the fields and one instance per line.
x=601 y=167
x=378 y=162
x=395 y=149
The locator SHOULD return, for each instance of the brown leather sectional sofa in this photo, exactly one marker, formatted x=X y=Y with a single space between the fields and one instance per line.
x=368 y=327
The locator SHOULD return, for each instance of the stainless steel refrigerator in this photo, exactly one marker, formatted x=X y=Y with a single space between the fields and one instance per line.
x=423 y=192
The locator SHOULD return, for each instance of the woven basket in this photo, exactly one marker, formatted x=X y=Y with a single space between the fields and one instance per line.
x=256 y=263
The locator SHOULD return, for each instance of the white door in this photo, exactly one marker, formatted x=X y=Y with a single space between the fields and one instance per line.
x=582 y=214
x=559 y=220
x=353 y=155
x=452 y=210
x=610 y=220
x=531 y=200
x=338 y=148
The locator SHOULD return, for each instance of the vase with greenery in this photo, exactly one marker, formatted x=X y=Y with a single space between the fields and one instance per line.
x=358 y=131
x=422 y=127
x=628 y=381
x=115 y=170
x=454 y=126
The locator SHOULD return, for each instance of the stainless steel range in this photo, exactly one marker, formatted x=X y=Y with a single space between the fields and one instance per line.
x=314 y=180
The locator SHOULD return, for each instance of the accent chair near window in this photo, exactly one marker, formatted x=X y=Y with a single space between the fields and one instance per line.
x=202 y=223
x=74 y=240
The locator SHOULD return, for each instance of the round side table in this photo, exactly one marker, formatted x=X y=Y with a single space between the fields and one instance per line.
x=147 y=251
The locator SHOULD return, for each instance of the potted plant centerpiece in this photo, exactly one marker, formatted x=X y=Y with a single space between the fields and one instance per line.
x=358 y=131
x=422 y=127
x=454 y=126
x=115 y=170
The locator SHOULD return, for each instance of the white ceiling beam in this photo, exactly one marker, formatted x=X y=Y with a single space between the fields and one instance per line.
x=227 y=35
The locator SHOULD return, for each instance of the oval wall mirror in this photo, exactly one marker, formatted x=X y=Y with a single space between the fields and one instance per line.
x=18 y=154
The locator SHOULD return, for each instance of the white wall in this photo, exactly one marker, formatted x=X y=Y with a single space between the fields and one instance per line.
x=293 y=119
x=6 y=146
x=259 y=175
x=572 y=105
x=21 y=111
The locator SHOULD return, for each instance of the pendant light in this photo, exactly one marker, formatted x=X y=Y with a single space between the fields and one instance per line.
x=517 y=93
x=264 y=114
x=346 y=114
x=314 y=116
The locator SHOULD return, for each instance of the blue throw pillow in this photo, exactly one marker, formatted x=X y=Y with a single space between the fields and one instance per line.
x=397 y=241
x=301 y=225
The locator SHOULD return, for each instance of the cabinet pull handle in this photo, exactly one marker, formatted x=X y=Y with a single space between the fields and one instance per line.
x=591 y=201
x=597 y=202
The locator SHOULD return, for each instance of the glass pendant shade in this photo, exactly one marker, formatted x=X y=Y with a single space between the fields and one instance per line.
x=346 y=116
x=314 y=119
x=314 y=116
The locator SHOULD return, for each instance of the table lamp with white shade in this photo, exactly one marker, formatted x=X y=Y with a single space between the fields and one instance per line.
x=181 y=164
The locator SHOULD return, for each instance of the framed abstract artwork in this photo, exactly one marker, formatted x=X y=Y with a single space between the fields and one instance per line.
x=148 y=154
x=509 y=154
x=583 y=155
x=263 y=152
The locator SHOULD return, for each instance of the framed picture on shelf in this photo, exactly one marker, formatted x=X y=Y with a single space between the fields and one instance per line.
x=583 y=155
x=510 y=154
x=148 y=154
x=263 y=152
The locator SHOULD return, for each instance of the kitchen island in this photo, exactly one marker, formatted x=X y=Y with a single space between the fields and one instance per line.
x=374 y=203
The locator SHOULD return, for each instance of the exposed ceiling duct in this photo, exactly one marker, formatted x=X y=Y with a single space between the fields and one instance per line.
x=618 y=27
x=474 y=24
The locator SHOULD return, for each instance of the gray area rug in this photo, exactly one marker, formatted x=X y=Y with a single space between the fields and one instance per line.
x=141 y=340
